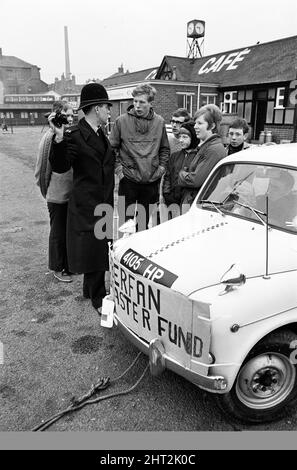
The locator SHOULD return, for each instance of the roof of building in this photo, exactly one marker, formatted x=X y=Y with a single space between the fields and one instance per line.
x=270 y=62
x=125 y=78
x=12 y=61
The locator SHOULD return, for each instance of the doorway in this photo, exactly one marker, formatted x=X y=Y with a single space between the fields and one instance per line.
x=260 y=112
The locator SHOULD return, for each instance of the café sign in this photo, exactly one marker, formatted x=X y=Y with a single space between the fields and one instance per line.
x=227 y=61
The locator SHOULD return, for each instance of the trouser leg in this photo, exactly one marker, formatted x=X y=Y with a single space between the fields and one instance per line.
x=143 y=194
x=94 y=287
x=148 y=195
x=127 y=191
x=57 y=252
x=86 y=293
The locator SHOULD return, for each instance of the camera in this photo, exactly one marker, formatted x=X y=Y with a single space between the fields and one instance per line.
x=59 y=120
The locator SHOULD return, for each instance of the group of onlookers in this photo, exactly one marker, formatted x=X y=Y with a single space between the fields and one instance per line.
x=77 y=164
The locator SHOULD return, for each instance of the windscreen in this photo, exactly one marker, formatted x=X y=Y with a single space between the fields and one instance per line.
x=253 y=190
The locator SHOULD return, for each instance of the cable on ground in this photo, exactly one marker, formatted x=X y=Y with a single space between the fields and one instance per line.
x=78 y=403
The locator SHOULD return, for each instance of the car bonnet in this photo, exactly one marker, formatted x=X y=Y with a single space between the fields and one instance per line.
x=197 y=248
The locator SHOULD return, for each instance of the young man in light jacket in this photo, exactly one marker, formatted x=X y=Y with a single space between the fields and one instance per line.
x=141 y=146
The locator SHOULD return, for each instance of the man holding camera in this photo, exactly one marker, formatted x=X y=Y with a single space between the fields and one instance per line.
x=86 y=149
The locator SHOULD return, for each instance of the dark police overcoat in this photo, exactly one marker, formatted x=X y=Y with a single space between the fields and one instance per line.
x=91 y=157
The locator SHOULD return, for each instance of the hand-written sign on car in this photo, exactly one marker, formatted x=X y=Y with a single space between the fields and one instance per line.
x=137 y=263
x=152 y=311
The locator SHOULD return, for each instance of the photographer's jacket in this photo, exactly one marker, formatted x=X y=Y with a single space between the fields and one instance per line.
x=90 y=155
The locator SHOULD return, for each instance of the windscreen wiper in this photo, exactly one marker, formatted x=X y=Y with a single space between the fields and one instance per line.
x=214 y=204
x=236 y=185
x=255 y=211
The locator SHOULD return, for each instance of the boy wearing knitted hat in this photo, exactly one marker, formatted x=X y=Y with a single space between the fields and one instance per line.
x=179 y=160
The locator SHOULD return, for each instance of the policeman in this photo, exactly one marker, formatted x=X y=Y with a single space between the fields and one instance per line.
x=86 y=149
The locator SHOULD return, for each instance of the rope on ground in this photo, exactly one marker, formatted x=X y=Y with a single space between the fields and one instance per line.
x=78 y=403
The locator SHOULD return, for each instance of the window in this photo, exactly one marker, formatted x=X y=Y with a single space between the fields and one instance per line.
x=270 y=109
x=240 y=108
x=9 y=115
x=12 y=89
x=240 y=95
x=185 y=100
x=166 y=73
x=244 y=104
x=278 y=116
x=280 y=97
x=248 y=111
x=10 y=74
x=35 y=115
x=24 y=115
x=279 y=110
x=124 y=105
x=208 y=98
x=230 y=102
x=19 y=75
x=271 y=93
x=289 y=116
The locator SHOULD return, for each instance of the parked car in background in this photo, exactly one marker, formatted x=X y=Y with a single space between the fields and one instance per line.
x=211 y=295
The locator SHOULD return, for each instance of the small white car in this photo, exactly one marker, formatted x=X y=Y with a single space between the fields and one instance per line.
x=212 y=294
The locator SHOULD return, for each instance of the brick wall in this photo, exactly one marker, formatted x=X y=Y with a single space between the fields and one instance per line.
x=280 y=132
x=166 y=99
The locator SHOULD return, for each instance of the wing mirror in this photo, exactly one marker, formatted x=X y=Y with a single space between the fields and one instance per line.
x=232 y=278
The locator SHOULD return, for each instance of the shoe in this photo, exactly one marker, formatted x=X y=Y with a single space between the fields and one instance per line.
x=98 y=310
x=63 y=276
x=81 y=298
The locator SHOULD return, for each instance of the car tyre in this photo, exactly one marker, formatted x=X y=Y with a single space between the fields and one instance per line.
x=265 y=388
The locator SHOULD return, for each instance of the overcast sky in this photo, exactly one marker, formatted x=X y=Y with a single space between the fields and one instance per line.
x=138 y=33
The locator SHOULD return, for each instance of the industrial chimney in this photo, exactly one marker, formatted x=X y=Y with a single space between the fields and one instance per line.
x=67 y=61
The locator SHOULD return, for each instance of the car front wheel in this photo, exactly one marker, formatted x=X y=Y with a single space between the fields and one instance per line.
x=266 y=385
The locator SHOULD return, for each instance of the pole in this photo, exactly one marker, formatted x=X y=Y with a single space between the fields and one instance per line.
x=67 y=60
x=293 y=101
x=295 y=123
x=267 y=221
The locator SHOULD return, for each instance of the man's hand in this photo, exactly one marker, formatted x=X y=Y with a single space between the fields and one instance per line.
x=59 y=131
x=183 y=173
